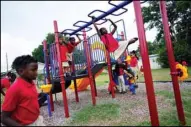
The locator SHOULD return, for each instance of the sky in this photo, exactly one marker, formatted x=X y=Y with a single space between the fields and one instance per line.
x=25 y=24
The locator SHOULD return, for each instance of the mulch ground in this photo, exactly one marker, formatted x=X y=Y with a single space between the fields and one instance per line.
x=133 y=108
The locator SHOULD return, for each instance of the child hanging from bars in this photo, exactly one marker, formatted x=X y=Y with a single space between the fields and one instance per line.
x=110 y=43
x=63 y=55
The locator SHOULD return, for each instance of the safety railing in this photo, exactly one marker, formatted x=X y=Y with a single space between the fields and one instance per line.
x=79 y=57
x=53 y=60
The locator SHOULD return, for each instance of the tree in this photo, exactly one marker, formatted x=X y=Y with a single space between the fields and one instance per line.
x=153 y=48
x=179 y=16
x=38 y=54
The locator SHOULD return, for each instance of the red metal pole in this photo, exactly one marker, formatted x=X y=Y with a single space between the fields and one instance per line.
x=61 y=73
x=171 y=60
x=95 y=85
x=146 y=65
x=48 y=73
x=111 y=82
x=89 y=68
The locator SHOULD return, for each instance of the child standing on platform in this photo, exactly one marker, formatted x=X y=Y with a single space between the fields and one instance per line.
x=70 y=48
x=63 y=53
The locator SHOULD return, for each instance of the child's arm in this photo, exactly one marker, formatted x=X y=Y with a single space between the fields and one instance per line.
x=128 y=74
x=98 y=32
x=115 y=26
x=78 y=39
x=6 y=119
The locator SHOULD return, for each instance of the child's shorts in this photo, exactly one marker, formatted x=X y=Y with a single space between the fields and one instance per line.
x=65 y=64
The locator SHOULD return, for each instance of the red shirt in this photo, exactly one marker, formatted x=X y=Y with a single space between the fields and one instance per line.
x=110 y=43
x=133 y=62
x=22 y=100
x=71 y=47
x=63 y=51
x=5 y=83
x=121 y=71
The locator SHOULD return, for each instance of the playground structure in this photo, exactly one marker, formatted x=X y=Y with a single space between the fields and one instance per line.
x=92 y=64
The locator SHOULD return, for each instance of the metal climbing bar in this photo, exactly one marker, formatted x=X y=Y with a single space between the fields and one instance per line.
x=125 y=10
x=102 y=16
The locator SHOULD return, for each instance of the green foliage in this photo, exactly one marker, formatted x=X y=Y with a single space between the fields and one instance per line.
x=153 y=48
x=50 y=38
x=37 y=53
x=181 y=53
x=179 y=16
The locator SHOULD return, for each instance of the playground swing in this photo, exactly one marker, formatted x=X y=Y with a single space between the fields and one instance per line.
x=93 y=68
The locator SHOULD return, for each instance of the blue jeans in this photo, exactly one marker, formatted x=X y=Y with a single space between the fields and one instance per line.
x=132 y=88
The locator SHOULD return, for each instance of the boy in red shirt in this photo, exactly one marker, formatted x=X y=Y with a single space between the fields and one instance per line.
x=70 y=48
x=20 y=107
x=7 y=81
x=63 y=54
x=134 y=63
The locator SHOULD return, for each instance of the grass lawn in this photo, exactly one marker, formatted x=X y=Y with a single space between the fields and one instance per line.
x=168 y=117
x=164 y=75
x=157 y=74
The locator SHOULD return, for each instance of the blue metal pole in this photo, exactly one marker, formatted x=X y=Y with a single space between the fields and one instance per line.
x=112 y=10
x=49 y=106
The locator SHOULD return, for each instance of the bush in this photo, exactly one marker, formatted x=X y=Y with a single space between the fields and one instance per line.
x=181 y=53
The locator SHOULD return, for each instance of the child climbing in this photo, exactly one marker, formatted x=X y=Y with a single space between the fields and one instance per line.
x=7 y=81
x=70 y=48
x=110 y=43
x=21 y=107
x=119 y=69
x=63 y=52
x=134 y=63
x=131 y=81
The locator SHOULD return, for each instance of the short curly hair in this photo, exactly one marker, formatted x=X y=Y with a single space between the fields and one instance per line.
x=22 y=62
